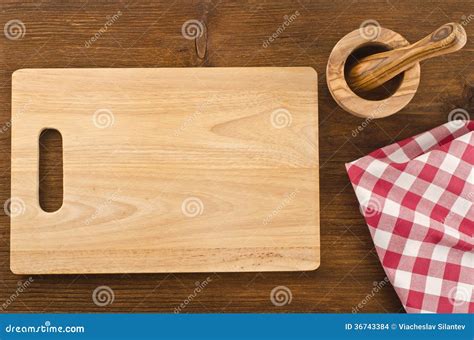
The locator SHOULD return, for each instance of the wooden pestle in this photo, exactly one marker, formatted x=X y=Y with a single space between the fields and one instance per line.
x=374 y=70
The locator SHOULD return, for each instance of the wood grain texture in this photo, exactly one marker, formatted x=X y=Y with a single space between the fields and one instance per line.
x=148 y=34
x=168 y=170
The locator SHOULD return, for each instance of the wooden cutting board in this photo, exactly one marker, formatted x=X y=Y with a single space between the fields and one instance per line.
x=168 y=170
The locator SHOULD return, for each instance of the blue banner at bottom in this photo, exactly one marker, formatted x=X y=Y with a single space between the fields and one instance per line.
x=236 y=326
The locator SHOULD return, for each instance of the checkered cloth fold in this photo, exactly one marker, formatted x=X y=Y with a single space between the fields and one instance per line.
x=417 y=199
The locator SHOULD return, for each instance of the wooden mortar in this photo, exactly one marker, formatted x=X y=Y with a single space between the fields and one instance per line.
x=375 y=70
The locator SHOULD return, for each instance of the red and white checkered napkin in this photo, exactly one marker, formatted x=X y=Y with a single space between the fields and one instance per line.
x=417 y=199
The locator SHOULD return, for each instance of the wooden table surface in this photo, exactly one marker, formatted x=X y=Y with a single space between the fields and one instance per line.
x=149 y=34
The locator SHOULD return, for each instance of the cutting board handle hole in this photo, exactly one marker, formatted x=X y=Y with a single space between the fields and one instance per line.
x=50 y=170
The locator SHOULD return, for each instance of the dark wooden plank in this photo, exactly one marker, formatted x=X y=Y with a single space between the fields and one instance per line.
x=148 y=34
